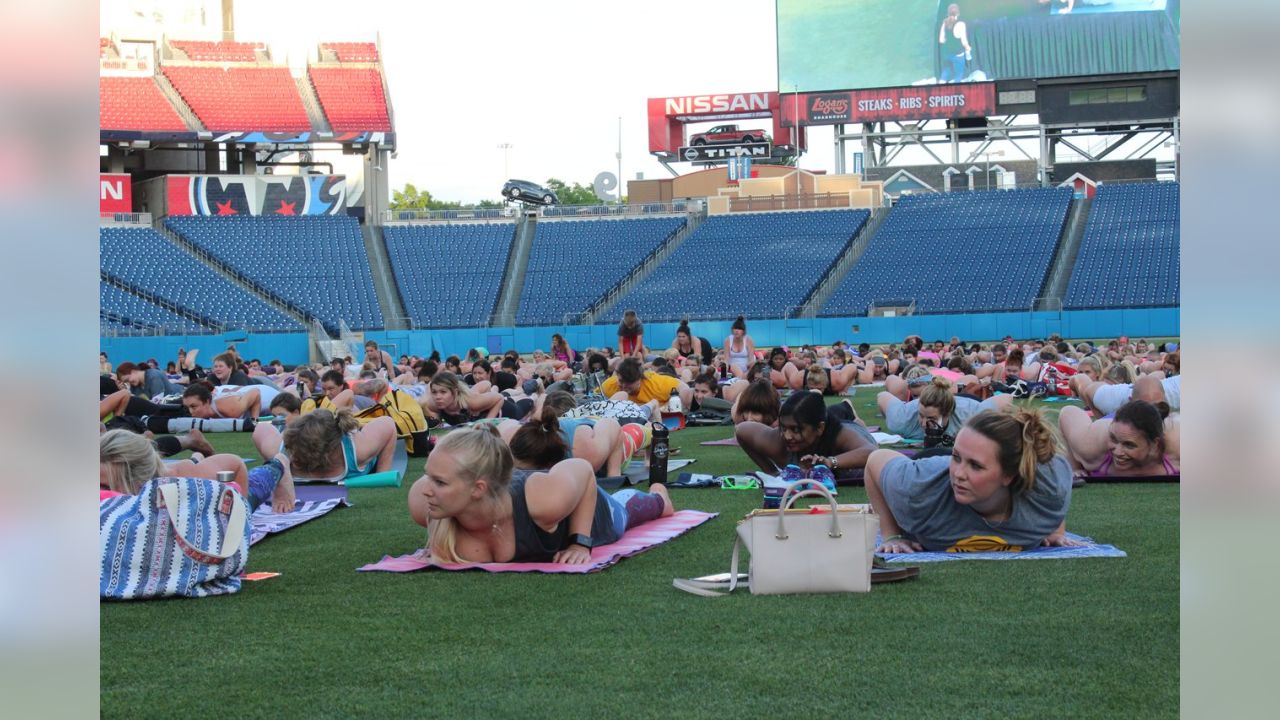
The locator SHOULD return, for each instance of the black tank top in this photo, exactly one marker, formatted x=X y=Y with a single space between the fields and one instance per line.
x=533 y=544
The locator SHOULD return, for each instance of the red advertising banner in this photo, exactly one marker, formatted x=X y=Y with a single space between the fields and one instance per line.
x=926 y=102
x=115 y=193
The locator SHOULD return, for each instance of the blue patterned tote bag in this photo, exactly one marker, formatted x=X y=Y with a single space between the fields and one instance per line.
x=178 y=537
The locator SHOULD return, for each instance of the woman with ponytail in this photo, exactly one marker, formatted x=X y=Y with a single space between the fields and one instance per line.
x=1141 y=440
x=739 y=349
x=1005 y=486
x=937 y=415
x=548 y=438
x=325 y=446
x=477 y=507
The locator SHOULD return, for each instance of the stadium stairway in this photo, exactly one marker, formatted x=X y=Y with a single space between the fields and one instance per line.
x=394 y=315
x=226 y=271
x=311 y=103
x=517 y=265
x=184 y=110
x=643 y=269
x=1055 y=287
x=857 y=245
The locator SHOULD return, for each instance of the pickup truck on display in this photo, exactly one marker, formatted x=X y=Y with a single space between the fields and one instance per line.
x=727 y=135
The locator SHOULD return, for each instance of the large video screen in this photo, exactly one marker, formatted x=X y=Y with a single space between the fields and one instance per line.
x=858 y=44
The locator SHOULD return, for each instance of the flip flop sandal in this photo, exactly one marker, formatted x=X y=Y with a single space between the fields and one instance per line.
x=883 y=572
x=894 y=574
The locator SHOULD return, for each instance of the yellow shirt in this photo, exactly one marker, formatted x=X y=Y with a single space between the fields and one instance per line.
x=652 y=387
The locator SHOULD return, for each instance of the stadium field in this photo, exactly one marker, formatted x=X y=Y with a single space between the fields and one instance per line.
x=1064 y=638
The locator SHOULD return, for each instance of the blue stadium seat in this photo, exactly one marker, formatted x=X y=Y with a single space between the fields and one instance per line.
x=757 y=265
x=144 y=259
x=957 y=252
x=449 y=275
x=1130 y=251
x=573 y=263
x=315 y=262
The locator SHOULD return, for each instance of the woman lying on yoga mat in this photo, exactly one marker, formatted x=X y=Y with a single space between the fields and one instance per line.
x=1141 y=440
x=806 y=436
x=757 y=403
x=127 y=461
x=328 y=447
x=544 y=441
x=937 y=415
x=1005 y=486
x=478 y=508
x=453 y=403
x=225 y=401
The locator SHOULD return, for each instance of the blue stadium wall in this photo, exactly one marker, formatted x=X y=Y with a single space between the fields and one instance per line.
x=292 y=348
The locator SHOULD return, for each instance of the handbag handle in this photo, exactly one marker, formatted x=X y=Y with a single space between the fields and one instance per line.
x=713 y=588
x=790 y=496
x=230 y=539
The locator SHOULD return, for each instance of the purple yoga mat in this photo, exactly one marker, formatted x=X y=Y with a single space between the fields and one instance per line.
x=320 y=492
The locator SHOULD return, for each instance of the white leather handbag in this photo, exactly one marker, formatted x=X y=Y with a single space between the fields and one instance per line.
x=799 y=550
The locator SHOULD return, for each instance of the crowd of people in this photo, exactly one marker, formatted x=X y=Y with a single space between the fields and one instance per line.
x=516 y=476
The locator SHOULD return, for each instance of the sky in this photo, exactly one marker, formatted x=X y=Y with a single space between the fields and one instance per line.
x=551 y=79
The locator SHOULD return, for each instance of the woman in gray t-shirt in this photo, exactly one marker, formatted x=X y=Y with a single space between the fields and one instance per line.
x=1006 y=486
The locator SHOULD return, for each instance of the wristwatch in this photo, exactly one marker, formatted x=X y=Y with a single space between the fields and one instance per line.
x=580 y=539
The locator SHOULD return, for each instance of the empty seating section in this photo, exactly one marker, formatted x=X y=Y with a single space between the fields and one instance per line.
x=143 y=258
x=316 y=263
x=135 y=103
x=1130 y=250
x=449 y=275
x=128 y=311
x=573 y=263
x=353 y=51
x=352 y=98
x=757 y=265
x=958 y=252
x=264 y=99
x=203 y=50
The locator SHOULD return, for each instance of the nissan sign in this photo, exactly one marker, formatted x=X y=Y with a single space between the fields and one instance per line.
x=724 y=153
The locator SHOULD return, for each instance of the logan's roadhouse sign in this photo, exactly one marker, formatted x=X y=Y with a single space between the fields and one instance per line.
x=928 y=102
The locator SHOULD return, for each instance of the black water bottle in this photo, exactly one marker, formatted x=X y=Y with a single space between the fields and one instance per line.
x=659 y=448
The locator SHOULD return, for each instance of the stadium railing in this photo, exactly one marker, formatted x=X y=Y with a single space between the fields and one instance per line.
x=551 y=212
x=774 y=203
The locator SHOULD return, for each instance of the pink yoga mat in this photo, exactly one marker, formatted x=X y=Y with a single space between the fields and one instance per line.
x=634 y=541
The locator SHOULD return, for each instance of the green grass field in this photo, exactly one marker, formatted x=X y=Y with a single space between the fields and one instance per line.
x=1068 y=638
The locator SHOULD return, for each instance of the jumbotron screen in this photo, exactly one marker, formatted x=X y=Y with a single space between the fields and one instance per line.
x=859 y=44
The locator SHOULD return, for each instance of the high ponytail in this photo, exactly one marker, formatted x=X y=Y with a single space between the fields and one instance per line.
x=538 y=442
x=938 y=394
x=1024 y=440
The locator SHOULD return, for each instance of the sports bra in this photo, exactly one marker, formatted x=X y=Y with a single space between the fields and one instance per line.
x=1104 y=470
x=349 y=457
x=738 y=358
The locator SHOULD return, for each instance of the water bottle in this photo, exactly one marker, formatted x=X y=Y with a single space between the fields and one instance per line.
x=659 y=448
x=673 y=403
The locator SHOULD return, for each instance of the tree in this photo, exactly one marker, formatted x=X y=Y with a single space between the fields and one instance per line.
x=411 y=198
x=576 y=194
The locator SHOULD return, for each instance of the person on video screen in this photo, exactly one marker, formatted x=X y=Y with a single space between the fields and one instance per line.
x=953 y=36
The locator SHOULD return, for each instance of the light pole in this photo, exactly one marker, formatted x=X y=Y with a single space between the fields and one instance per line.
x=506 y=160
x=997 y=153
x=619 y=156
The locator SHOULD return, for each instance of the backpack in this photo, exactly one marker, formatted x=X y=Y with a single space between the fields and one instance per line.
x=712 y=411
x=411 y=422
x=317 y=402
